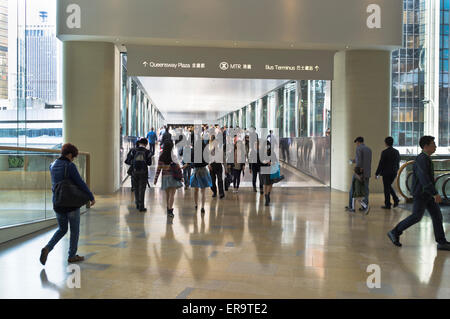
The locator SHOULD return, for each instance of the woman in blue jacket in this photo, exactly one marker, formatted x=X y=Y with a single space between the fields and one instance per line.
x=66 y=215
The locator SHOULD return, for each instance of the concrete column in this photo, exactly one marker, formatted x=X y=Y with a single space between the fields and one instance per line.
x=361 y=107
x=91 y=77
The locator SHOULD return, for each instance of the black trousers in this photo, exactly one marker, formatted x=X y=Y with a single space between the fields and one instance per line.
x=389 y=190
x=255 y=174
x=152 y=149
x=140 y=184
x=228 y=179
x=236 y=177
x=216 y=173
x=419 y=206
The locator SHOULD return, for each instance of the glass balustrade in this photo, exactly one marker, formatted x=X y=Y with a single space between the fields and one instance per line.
x=25 y=184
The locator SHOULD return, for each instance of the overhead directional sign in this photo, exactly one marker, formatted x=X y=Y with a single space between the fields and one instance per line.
x=313 y=24
x=229 y=63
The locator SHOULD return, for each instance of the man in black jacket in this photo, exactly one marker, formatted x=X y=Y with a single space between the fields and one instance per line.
x=139 y=158
x=388 y=168
x=425 y=197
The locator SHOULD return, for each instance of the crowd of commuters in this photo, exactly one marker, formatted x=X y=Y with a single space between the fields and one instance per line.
x=215 y=157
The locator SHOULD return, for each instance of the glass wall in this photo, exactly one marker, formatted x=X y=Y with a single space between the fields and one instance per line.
x=138 y=114
x=420 y=77
x=30 y=75
x=444 y=82
x=297 y=109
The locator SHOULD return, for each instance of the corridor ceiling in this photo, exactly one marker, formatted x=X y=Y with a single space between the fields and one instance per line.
x=205 y=95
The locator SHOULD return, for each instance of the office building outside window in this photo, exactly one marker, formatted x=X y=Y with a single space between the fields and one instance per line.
x=420 y=77
x=30 y=75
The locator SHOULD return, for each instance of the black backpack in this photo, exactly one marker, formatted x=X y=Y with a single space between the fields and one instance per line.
x=139 y=163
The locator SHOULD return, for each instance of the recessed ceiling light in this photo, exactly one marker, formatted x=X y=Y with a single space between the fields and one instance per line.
x=292 y=45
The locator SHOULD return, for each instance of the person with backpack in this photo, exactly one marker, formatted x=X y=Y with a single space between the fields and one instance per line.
x=60 y=169
x=171 y=176
x=139 y=158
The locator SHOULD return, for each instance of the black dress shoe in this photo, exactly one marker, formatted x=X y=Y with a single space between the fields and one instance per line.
x=222 y=196
x=444 y=246
x=214 y=195
x=202 y=210
x=394 y=238
x=255 y=190
x=143 y=209
x=396 y=203
x=386 y=207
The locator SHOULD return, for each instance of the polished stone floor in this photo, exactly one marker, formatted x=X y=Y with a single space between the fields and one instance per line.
x=303 y=246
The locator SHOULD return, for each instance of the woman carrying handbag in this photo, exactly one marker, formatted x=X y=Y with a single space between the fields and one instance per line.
x=270 y=173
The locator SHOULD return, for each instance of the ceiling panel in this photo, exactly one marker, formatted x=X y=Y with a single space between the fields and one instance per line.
x=205 y=94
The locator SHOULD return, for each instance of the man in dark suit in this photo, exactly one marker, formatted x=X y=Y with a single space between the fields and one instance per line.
x=388 y=168
x=425 y=197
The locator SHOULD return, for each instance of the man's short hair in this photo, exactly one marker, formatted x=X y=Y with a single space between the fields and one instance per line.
x=425 y=140
x=68 y=148
x=389 y=141
x=143 y=141
x=359 y=139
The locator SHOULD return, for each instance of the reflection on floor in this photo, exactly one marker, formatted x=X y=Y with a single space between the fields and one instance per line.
x=303 y=246
x=293 y=178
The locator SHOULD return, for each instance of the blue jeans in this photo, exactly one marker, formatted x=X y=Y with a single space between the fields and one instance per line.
x=366 y=187
x=72 y=218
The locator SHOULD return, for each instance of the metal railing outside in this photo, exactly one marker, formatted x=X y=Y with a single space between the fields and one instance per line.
x=25 y=184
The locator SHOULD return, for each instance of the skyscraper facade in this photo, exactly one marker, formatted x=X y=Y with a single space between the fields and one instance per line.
x=41 y=61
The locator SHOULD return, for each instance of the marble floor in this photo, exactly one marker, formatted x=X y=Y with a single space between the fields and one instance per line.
x=303 y=246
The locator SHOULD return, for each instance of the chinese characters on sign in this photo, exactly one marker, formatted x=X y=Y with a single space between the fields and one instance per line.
x=178 y=65
x=309 y=68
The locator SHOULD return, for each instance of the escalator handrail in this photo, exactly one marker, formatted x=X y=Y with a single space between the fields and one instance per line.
x=400 y=171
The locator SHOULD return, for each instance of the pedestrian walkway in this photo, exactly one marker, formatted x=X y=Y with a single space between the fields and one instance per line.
x=303 y=246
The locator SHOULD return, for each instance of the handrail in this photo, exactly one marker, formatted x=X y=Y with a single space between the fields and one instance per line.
x=41 y=150
x=50 y=151
x=436 y=179
x=398 y=179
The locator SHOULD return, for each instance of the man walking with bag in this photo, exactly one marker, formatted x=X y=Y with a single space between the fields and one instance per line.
x=425 y=197
x=61 y=169
x=139 y=158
